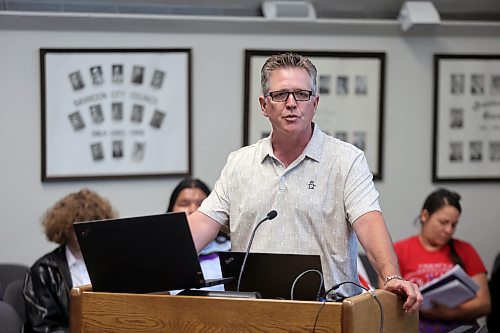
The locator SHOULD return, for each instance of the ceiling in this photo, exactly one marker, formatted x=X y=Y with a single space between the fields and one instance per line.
x=468 y=10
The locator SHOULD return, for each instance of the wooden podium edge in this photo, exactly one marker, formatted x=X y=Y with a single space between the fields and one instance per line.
x=395 y=319
x=357 y=314
x=75 y=307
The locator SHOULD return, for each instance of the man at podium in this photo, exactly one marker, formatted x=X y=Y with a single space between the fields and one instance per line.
x=320 y=186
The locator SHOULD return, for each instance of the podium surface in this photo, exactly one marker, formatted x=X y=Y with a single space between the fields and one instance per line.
x=155 y=313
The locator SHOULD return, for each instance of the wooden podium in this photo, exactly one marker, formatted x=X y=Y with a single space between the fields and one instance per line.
x=114 y=312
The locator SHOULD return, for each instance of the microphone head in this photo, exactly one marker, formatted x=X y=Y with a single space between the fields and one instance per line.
x=272 y=214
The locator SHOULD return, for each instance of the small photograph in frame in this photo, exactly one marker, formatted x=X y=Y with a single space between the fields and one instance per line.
x=157 y=80
x=102 y=113
x=457 y=85
x=456 y=151
x=157 y=118
x=117 y=148
x=342 y=85
x=137 y=113
x=137 y=74
x=96 y=113
x=138 y=151
x=117 y=73
x=361 y=87
x=96 y=73
x=494 y=151
x=351 y=89
x=342 y=135
x=456 y=118
x=495 y=84
x=324 y=84
x=76 y=120
x=476 y=151
x=359 y=140
x=117 y=111
x=477 y=84
x=97 y=151
x=466 y=118
x=76 y=80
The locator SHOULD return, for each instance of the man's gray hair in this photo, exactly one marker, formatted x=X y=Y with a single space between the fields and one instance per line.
x=285 y=60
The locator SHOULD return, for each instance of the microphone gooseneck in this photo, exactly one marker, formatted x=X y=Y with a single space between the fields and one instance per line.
x=271 y=215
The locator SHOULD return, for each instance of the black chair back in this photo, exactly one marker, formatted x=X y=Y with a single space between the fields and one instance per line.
x=14 y=296
x=10 y=273
x=9 y=320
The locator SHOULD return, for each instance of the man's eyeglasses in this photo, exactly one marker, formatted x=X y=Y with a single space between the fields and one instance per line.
x=298 y=95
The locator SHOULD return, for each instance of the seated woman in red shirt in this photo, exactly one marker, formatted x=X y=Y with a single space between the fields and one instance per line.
x=434 y=251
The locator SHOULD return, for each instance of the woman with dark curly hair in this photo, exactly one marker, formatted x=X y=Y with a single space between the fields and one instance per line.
x=50 y=279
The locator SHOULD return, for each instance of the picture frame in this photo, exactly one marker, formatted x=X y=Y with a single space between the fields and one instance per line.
x=466 y=129
x=351 y=107
x=115 y=113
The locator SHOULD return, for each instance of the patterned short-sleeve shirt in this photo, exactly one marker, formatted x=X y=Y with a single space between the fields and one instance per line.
x=317 y=197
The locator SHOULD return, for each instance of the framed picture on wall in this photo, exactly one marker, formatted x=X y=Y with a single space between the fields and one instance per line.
x=115 y=113
x=466 y=141
x=351 y=106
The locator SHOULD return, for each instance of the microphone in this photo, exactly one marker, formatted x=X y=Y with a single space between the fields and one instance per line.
x=271 y=215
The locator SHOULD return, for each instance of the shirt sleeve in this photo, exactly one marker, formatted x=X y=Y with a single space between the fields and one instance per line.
x=217 y=204
x=361 y=196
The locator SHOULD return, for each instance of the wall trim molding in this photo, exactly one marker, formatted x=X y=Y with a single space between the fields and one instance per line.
x=119 y=22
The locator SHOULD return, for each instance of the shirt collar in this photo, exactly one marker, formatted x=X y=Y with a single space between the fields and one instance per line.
x=70 y=257
x=312 y=150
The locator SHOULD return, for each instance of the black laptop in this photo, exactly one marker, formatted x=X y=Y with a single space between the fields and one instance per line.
x=141 y=254
x=272 y=275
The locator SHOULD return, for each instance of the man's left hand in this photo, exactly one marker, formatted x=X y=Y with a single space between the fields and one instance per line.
x=409 y=290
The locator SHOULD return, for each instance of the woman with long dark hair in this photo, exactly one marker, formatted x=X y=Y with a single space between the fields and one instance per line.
x=433 y=252
x=187 y=197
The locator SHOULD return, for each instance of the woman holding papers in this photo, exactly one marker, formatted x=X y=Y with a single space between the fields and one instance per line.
x=426 y=256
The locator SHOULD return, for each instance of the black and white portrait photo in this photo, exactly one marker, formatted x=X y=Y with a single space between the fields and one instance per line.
x=96 y=114
x=76 y=121
x=360 y=85
x=157 y=119
x=342 y=85
x=117 y=73
x=157 y=80
x=495 y=84
x=117 y=111
x=137 y=74
x=359 y=140
x=477 y=84
x=96 y=73
x=341 y=135
x=97 y=151
x=117 y=148
x=137 y=113
x=457 y=84
x=476 y=150
x=456 y=117
x=494 y=147
x=76 y=80
x=324 y=84
x=456 y=151
x=138 y=151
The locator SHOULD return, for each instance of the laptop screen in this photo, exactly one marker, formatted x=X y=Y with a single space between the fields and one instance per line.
x=140 y=254
x=273 y=275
